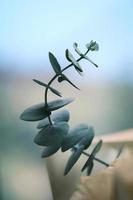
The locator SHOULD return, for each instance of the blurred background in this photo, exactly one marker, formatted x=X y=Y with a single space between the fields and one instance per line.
x=29 y=30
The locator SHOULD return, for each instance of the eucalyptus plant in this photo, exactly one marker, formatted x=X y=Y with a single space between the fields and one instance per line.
x=54 y=132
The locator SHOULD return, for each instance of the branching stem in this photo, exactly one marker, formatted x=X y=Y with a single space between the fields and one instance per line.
x=97 y=159
x=54 y=77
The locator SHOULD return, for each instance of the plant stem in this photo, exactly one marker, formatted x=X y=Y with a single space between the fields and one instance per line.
x=97 y=159
x=50 y=121
x=54 y=77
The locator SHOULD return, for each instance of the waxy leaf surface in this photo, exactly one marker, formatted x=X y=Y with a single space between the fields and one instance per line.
x=56 y=117
x=50 y=150
x=52 y=134
x=74 y=136
x=87 y=139
x=70 y=57
x=40 y=111
x=54 y=63
x=35 y=113
x=56 y=104
x=73 y=159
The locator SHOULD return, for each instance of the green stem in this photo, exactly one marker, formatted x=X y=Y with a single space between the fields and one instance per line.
x=97 y=159
x=54 y=77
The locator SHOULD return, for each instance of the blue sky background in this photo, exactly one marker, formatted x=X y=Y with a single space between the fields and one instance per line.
x=29 y=29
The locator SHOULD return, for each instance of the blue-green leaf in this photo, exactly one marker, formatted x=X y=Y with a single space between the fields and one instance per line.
x=56 y=117
x=56 y=104
x=43 y=123
x=70 y=58
x=75 y=46
x=35 y=113
x=65 y=78
x=52 y=134
x=87 y=58
x=54 y=63
x=87 y=139
x=73 y=159
x=50 y=150
x=67 y=55
x=41 y=111
x=97 y=147
x=45 y=85
x=88 y=162
x=74 y=136
x=90 y=168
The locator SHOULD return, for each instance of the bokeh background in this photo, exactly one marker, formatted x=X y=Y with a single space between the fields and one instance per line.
x=28 y=31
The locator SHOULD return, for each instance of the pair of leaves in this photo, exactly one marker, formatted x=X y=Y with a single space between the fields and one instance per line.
x=91 y=46
x=52 y=134
x=41 y=111
x=89 y=162
x=47 y=86
x=57 y=68
x=81 y=134
x=56 y=117
x=70 y=58
x=73 y=159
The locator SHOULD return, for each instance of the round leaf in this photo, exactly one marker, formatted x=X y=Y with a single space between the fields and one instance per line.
x=73 y=159
x=62 y=115
x=56 y=117
x=43 y=123
x=50 y=150
x=52 y=134
x=74 y=136
x=67 y=55
x=35 y=113
x=87 y=139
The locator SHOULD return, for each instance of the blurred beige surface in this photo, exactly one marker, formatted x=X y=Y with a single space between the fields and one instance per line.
x=112 y=183
x=23 y=179
x=125 y=137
